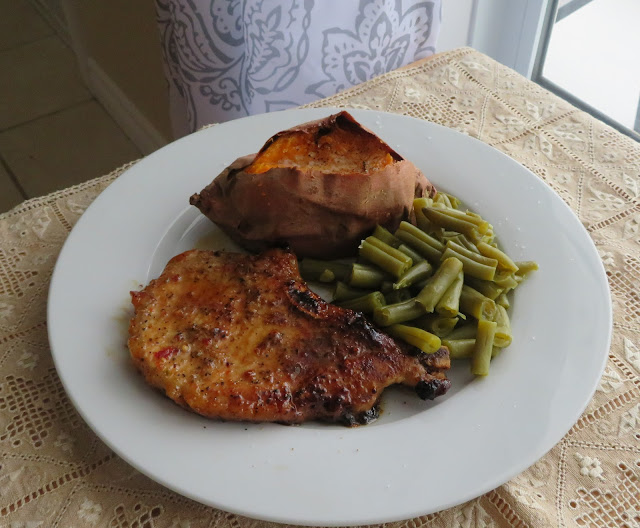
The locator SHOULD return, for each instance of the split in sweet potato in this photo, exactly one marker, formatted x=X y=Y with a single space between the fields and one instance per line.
x=319 y=188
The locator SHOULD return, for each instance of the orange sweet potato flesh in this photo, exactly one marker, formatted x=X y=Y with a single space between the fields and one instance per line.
x=318 y=188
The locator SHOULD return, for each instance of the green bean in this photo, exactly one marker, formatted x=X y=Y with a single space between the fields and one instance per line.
x=473 y=303
x=418 y=233
x=365 y=276
x=425 y=249
x=474 y=218
x=386 y=286
x=486 y=288
x=459 y=348
x=505 y=279
x=483 y=348
x=473 y=255
x=449 y=304
x=466 y=243
x=443 y=199
x=383 y=260
x=455 y=202
x=397 y=313
x=417 y=337
x=423 y=222
x=503 y=299
x=477 y=216
x=365 y=304
x=415 y=256
x=466 y=331
x=503 y=331
x=312 y=269
x=397 y=296
x=406 y=294
x=455 y=220
x=525 y=267
x=440 y=218
x=440 y=326
x=391 y=251
x=386 y=236
x=419 y=272
x=438 y=284
x=504 y=261
x=451 y=235
x=437 y=233
x=327 y=276
x=342 y=292
x=488 y=237
x=419 y=203
x=471 y=267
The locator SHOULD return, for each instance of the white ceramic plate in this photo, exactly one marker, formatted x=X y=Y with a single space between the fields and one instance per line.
x=418 y=457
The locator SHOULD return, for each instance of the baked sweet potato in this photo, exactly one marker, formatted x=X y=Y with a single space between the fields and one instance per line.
x=319 y=188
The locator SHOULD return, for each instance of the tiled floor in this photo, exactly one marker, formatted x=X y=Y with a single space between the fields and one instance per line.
x=53 y=133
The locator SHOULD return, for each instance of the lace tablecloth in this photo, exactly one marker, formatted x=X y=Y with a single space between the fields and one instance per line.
x=55 y=472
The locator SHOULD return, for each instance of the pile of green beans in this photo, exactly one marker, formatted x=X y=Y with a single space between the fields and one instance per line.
x=440 y=281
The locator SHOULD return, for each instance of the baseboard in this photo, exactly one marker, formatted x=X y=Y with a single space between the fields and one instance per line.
x=124 y=112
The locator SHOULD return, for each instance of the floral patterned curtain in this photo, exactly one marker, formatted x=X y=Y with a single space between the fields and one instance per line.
x=226 y=59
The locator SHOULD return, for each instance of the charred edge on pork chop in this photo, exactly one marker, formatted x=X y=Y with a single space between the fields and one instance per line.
x=241 y=337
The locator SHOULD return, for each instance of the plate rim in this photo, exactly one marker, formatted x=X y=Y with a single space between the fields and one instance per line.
x=497 y=480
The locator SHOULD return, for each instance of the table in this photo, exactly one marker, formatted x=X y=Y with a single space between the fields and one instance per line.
x=54 y=472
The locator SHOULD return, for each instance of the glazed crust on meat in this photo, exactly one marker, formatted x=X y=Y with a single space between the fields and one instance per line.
x=241 y=337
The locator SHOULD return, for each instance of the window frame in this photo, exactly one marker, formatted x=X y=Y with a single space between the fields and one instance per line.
x=538 y=77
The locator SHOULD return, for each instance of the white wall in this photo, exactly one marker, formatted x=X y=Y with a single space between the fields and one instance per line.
x=456 y=24
x=506 y=30
x=509 y=31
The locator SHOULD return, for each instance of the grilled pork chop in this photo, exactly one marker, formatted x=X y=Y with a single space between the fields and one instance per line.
x=241 y=337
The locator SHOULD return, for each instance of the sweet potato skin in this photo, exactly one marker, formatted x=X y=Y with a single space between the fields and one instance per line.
x=317 y=213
